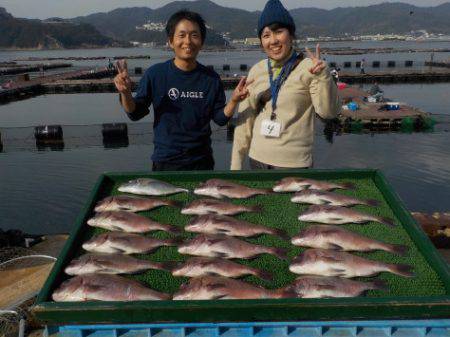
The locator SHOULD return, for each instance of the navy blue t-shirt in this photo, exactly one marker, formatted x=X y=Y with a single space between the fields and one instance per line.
x=184 y=102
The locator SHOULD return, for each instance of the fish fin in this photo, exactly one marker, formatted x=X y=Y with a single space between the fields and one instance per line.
x=221 y=297
x=379 y=285
x=255 y=208
x=223 y=231
x=175 y=242
x=336 y=219
x=280 y=253
x=335 y=246
x=325 y=202
x=331 y=258
x=373 y=202
x=213 y=241
x=288 y=292
x=266 y=191
x=399 y=249
x=402 y=270
x=93 y=288
x=282 y=234
x=349 y=186
x=216 y=286
x=221 y=255
x=387 y=221
x=338 y=272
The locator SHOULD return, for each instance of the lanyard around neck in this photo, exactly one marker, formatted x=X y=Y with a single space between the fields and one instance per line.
x=275 y=84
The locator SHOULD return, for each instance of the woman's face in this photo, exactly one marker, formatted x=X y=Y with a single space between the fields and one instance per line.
x=277 y=44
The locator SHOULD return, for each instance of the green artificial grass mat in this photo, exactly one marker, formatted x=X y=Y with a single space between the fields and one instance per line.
x=279 y=212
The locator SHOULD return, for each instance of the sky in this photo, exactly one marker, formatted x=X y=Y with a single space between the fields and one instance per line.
x=42 y=9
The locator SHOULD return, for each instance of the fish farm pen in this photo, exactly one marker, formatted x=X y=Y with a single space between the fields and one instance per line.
x=416 y=306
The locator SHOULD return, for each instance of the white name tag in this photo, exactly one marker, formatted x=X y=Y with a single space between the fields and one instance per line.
x=270 y=128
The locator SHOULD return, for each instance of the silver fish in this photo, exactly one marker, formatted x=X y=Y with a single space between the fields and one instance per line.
x=146 y=186
x=210 y=206
x=317 y=197
x=131 y=203
x=218 y=188
x=222 y=224
x=216 y=287
x=335 y=215
x=295 y=184
x=111 y=264
x=129 y=222
x=207 y=266
x=329 y=287
x=102 y=287
x=125 y=243
x=338 y=238
x=333 y=263
x=227 y=247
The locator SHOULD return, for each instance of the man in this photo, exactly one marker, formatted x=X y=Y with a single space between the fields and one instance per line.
x=185 y=95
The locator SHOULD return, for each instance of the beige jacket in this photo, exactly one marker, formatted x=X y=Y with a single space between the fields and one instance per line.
x=302 y=96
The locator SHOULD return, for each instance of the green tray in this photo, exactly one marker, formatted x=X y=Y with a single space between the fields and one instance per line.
x=425 y=296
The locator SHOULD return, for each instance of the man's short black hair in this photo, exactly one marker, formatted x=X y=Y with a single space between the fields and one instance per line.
x=185 y=14
x=275 y=26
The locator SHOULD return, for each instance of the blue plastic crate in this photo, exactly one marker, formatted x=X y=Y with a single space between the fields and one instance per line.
x=416 y=328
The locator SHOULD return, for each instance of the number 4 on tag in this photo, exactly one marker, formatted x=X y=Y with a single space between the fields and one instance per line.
x=270 y=128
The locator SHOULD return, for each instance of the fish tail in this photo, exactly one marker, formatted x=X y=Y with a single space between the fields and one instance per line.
x=349 y=186
x=379 y=285
x=267 y=191
x=402 y=270
x=173 y=203
x=279 y=252
x=174 y=242
x=169 y=266
x=287 y=292
x=255 y=208
x=281 y=233
x=386 y=221
x=398 y=249
x=372 y=202
x=174 y=229
x=265 y=275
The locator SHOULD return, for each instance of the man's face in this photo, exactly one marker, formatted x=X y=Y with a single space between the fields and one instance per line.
x=186 y=41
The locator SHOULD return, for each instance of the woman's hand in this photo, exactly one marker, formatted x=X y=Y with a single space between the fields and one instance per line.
x=122 y=80
x=241 y=91
x=318 y=64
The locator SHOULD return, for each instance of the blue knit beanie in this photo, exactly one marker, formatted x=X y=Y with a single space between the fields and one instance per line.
x=274 y=12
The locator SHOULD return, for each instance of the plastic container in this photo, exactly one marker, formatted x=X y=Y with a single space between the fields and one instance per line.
x=393 y=106
x=416 y=328
x=341 y=85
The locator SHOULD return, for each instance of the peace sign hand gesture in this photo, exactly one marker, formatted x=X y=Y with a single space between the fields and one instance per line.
x=122 y=80
x=241 y=91
x=318 y=64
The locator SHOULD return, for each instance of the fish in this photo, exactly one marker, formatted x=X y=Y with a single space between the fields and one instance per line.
x=329 y=287
x=111 y=264
x=211 y=206
x=131 y=203
x=102 y=287
x=125 y=243
x=217 y=287
x=333 y=263
x=295 y=184
x=219 y=188
x=207 y=266
x=226 y=247
x=317 y=197
x=152 y=187
x=129 y=222
x=336 y=215
x=338 y=238
x=223 y=224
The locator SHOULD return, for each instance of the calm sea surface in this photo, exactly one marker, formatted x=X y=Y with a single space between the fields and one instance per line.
x=44 y=191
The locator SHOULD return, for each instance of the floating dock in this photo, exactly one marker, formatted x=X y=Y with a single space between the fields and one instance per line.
x=21 y=69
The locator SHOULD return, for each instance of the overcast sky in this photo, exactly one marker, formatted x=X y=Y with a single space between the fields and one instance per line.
x=43 y=9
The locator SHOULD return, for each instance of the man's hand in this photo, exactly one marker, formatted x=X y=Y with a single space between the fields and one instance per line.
x=318 y=64
x=241 y=91
x=122 y=80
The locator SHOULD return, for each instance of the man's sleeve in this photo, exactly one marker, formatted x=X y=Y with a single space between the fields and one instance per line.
x=142 y=98
x=219 y=105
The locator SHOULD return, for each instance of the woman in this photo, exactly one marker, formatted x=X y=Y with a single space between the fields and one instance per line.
x=276 y=121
